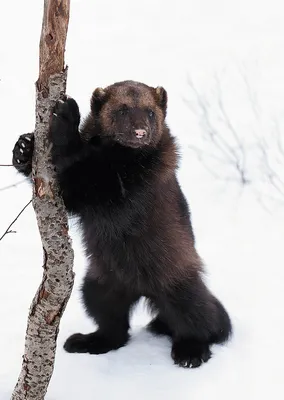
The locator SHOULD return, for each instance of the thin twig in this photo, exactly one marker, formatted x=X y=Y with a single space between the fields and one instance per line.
x=8 y=229
x=252 y=96
x=12 y=185
x=234 y=157
x=240 y=160
x=214 y=135
x=6 y=165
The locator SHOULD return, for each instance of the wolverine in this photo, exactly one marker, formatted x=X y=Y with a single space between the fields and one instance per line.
x=117 y=171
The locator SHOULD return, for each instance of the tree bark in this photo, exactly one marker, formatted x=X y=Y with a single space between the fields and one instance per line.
x=55 y=289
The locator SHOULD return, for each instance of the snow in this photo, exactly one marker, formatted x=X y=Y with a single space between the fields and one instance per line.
x=160 y=43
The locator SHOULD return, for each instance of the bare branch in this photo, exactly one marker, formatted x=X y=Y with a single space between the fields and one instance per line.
x=6 y=165
x=251 y=94
x=240 y=158
x=14 y=220
x=279 y=138
x=229 y=154
x=270 y=174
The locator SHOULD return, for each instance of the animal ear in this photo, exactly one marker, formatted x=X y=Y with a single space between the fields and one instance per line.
x=98 y=99
x=162 y=97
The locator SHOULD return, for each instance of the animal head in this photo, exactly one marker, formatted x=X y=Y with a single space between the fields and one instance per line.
x=130 y=113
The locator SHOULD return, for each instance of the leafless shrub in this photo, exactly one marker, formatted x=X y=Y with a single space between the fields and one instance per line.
x=252 y=157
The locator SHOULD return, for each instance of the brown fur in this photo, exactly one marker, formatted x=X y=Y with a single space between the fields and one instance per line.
x=135 y=221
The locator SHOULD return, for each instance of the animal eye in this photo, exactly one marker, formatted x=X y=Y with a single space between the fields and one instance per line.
x=151 y=113
x=123 y=111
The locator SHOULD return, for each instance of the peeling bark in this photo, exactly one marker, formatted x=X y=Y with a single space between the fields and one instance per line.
x=55 y=289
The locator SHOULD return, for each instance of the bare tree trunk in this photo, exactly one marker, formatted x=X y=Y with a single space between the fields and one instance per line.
x=58 y=277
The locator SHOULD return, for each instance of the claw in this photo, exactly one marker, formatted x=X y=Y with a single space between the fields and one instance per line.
x=23 y=145
x=21 y=151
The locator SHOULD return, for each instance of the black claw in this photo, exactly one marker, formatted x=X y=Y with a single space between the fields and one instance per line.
x=67 y=109
x=76 y=344
x=190 y=354
x=65 y=122
x=23 y=152
x=94 y=343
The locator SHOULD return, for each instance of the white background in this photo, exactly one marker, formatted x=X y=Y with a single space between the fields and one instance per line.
x=159 y=43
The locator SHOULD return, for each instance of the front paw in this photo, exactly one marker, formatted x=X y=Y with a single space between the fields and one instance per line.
x=23 y=153
x=65 y=122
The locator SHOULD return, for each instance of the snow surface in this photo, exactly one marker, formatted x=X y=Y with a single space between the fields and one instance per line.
x=160 y=43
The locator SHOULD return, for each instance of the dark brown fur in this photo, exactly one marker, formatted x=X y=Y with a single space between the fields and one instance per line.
x=119 y=176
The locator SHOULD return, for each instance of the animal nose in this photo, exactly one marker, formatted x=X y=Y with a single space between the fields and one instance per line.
x=140 y=133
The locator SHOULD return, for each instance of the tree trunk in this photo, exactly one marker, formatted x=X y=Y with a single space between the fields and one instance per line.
x=55 y=289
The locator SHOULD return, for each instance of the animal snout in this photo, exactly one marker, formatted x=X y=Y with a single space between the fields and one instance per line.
x=140 y=133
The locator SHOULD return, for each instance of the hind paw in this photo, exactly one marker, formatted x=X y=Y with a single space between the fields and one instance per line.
x=188 y=353
x=93 y=343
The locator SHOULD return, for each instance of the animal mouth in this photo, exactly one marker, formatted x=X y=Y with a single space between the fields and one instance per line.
x=137 y=140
